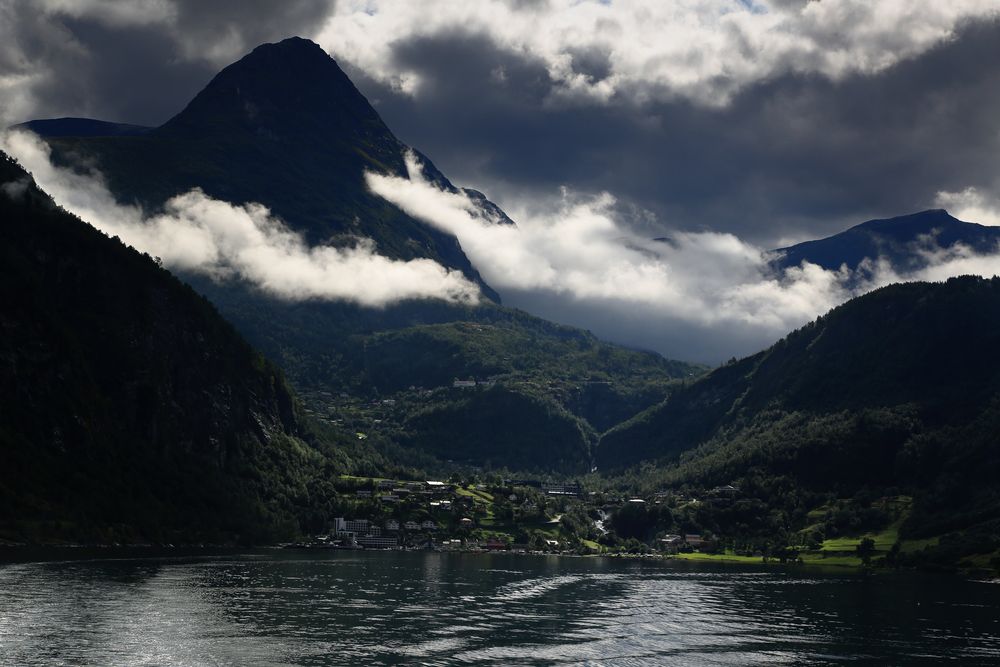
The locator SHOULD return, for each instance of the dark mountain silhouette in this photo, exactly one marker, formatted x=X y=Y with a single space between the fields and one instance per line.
x=899 y=240
x=284 y=126
x=81 y=127
x=129 y=409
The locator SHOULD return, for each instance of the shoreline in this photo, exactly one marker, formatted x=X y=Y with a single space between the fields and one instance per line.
x=29 y=553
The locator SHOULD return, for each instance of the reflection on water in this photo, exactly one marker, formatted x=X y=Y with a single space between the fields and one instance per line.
x=343 y=608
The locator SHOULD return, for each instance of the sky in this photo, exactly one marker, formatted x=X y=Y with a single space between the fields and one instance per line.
x=730 y=126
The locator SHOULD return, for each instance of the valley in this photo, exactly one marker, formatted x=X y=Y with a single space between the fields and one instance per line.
x=862 y=438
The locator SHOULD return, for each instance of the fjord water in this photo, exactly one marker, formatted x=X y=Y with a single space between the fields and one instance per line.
x=424 y=608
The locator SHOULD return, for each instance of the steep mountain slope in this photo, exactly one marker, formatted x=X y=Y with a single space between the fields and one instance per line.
x=129 y=409
x=903 y=241
x=935 y=347
x=284 y=126
x=894 y=393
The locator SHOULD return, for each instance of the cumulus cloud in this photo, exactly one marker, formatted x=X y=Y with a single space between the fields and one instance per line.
x=692 y=294
x=701 y=50
x=200 y=234
x=970 y=204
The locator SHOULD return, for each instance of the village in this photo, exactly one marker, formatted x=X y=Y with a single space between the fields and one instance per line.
x=516 y=515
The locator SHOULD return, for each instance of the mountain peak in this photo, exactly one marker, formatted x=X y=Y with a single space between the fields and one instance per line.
x=921 y=220
x=288 y=88
x=899 y=240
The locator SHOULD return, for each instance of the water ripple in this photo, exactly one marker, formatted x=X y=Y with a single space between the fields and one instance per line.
x=289 y=608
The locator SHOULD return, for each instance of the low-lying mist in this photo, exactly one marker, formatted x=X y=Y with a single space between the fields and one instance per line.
x=697 y=295
x=197 y=233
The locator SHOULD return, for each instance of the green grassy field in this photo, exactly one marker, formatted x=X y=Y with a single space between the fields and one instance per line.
x=719 y=558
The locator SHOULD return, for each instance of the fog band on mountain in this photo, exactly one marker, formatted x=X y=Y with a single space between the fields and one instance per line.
x=197 y=233
x=711 y=293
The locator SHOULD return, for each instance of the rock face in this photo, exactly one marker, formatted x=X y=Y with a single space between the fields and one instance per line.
x=129 y=409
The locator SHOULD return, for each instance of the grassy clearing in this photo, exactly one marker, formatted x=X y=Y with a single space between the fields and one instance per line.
x=883 y=540
x=980 y=561
x=720 y=558
x=808 y=558
x=477 y=496
x=355 y=478
x=910 y=546
x=814 y=558
x=487 y=497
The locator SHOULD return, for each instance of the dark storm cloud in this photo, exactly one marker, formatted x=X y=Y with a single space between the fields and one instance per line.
x=145 y=88
x=130 y=61
x=792 y=155
x=791 y=120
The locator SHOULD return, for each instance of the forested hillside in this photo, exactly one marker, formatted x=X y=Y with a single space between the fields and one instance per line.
x=129 y=409
x=896 y=393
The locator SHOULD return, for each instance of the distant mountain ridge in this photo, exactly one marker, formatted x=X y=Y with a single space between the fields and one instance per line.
x=81 y=127
x=897 y=240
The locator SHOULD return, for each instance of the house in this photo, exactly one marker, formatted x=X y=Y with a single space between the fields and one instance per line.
x=429 y=525
x=386 y=484
x=496 y=544
x=363 y=493
x=389 y=498
x=463 y=384
x=359 y=526
x=411 y=525
x=695 y=541
x=636 y=501
x=563 y=489
x=724 y=492
x=465 y=522
x=670 y=543
x=392 y=525
x=377 y=542
x=438 y=489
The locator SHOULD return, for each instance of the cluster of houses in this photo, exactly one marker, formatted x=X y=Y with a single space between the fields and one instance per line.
x=362 y=533
x=573 y=490
x=389 y=491
x=675 y=543
x=355 y=533
x=472 y=383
